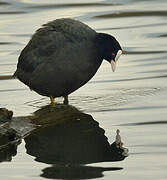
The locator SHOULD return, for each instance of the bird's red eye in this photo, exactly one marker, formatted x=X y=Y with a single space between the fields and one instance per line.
x=113 y=54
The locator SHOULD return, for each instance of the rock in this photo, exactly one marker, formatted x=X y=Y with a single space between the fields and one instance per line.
x=8 y=136
x=5 y=115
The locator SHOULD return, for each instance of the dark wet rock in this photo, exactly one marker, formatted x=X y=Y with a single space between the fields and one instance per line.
x=9 y=138
x=54 y=115
x=5 y=115
x=7 y=135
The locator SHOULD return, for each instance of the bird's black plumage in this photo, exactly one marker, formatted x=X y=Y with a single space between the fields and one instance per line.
x=62 y=56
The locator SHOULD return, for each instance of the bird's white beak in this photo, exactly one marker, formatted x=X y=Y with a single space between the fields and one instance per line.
x=113 y=63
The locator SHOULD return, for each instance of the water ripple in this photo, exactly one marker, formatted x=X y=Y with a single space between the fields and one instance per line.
x=129 y=109
x=145 y=123
x=116 y=99
x=15 y=35
x=12 y=90
x=163 y=35
x=12 y=12
x=72 y=5
x=143 y=52
x=130 y=79
x=4 y=3
x=132 y=14
x=6 y=77
x=133 y=27
x=9 y=43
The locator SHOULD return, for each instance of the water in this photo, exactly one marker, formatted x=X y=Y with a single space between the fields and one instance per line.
x=133 y=99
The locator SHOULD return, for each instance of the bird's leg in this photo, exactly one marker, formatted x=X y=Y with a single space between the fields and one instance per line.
x=53 y=104
x=65 y=100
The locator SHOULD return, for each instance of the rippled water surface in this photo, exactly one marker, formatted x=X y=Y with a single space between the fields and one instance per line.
x=133 y=99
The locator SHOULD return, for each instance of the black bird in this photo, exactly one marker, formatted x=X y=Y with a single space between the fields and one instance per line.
x=62 y=56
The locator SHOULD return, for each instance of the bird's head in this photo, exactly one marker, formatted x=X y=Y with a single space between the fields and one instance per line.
x=109 y=48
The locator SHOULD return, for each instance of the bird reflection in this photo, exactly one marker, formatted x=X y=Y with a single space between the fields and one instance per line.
x=68 y=138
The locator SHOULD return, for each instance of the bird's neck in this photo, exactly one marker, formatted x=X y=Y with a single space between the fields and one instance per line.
x=100 y=43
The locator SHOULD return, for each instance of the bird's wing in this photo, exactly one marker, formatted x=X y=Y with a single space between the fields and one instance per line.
x=75 y=30
x=49 y=41
x=42 y=45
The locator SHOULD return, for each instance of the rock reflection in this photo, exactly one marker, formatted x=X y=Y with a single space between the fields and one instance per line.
x=75 y=172
x=62 y=136
x=68 y=136
x=8 y=151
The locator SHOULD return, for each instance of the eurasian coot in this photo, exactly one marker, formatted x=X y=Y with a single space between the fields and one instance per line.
x=62 y=56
